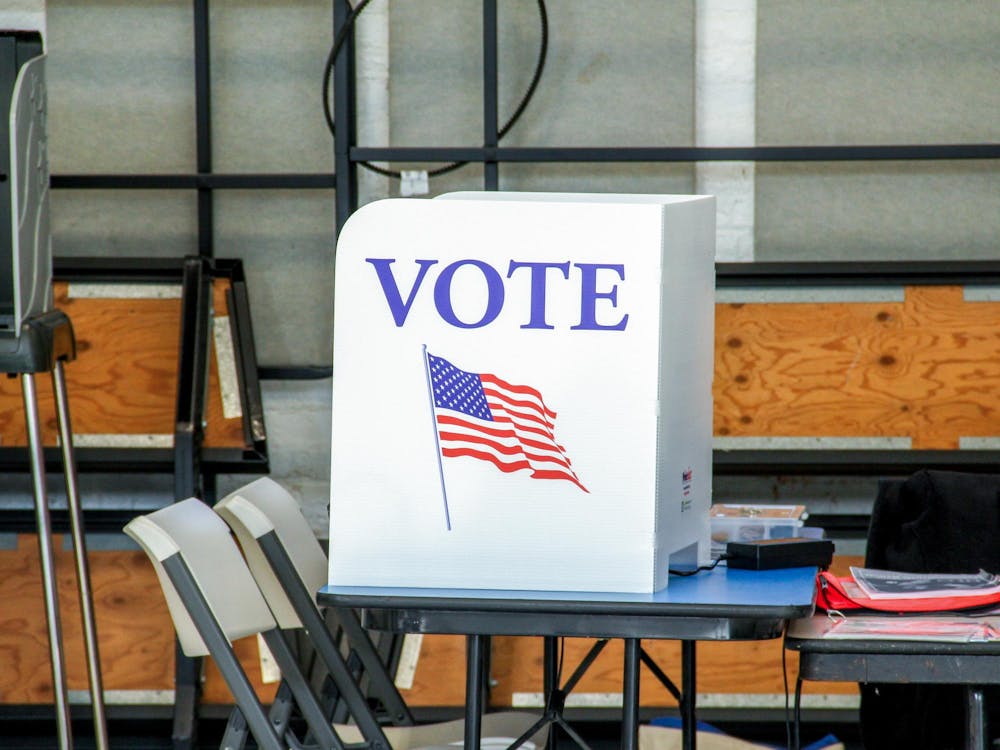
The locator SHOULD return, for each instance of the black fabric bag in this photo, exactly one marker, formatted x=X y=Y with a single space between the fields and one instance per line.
x=932 y=522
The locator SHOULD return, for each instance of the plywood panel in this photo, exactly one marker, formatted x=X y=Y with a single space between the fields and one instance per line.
x=134 y=632
x=137 y=645
x=927 y=369
x=136 y=637
x=124 y=380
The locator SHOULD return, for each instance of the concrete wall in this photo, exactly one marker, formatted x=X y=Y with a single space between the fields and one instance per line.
x=898 y=71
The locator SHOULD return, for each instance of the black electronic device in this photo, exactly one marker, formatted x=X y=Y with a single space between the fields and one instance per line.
x=768 y=554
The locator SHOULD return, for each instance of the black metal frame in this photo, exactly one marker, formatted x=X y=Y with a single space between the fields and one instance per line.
x=188 y=456
x=348 y=153
x=730 y=462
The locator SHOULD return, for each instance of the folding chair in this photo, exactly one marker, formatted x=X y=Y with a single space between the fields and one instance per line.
x=290 y=566
x=212 y=599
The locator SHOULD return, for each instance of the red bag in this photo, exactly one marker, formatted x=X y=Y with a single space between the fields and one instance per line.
x=843 y=594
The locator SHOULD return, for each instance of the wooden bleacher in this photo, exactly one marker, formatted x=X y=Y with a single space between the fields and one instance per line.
x=124 y=391
x=916 y=373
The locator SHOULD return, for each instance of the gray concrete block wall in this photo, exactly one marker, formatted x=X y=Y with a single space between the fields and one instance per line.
x=121 y=100
x=894 y=72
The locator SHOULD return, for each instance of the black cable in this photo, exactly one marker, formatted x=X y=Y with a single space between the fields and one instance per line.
x=700 y=569
x=348 y=28
x=798 y=713
x=784 y=682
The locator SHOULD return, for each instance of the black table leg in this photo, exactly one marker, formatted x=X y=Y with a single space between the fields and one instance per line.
x=550 y=684
x=689 y=692
x=475 y=650
x=630 y=695
x=975 y=719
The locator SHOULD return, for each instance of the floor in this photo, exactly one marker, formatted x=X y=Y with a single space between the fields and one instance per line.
x=37 y=733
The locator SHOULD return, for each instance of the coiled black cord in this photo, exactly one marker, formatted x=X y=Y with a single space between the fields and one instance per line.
x=348 y=27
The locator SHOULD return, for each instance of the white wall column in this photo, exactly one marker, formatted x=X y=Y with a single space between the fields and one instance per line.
x=371 y=34
x=725 y=113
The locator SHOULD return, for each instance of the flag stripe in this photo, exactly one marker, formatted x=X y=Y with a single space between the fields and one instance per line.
x=484 y=456
x=458 y=428
x=511 y=466
x=505 y=449
x=521 y=390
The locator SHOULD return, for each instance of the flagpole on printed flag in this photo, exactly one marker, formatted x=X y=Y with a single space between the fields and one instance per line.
x=437 y=438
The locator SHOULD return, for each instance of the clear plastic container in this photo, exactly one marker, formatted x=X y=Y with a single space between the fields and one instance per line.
x=737 y=522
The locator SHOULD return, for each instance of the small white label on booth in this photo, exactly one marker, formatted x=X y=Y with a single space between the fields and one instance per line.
x=522 y=392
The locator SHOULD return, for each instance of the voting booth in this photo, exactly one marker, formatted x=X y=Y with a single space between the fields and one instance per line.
x=522 y=391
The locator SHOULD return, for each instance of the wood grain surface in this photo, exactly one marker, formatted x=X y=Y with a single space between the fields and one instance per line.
x=927 y=369
x=135 y=634
x=124 y=379
x=137 y=645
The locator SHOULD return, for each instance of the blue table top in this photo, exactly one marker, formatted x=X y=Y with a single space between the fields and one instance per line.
x=787 y=592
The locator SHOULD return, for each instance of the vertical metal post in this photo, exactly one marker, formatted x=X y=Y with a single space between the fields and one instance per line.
x=473 y=690
x=345 y=117
x=550 y=683
x=80 y=553
x=630 y=695
x=47 y=557
x=203 y=124
x=976 y=736
x=192 y=379
x=491 y=171
x=689 y=692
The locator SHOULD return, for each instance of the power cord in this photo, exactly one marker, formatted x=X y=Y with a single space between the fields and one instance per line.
x=701 y=569
x=348 y=28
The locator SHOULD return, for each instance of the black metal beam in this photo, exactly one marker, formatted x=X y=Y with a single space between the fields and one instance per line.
x=676 y=153
x=197 y=181
x=861 y=273
x=192 y=377
x=203 y=123
x=491 y=136
x=241 y=328
x=344 y=112
x=830 y=462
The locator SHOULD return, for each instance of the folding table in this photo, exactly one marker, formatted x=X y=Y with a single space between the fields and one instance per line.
x=972 y=665
x=715 y=605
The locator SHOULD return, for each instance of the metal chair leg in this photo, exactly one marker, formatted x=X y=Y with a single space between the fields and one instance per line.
x=80 y=553
x=44 y=528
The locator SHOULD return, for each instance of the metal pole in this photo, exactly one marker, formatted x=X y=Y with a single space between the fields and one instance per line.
x=689 y=691
x=630 y=695
x=491 y=172
x=345 y=116
x=473 y=690
x=80 y=553
x=976 y=736
x=47 y=561
x=550 y=683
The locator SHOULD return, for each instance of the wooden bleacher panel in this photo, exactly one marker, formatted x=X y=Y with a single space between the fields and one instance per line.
x=925 y=368
x=123 y=383
x=124 y=380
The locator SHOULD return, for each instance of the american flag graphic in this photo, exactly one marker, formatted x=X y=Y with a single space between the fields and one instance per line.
x=481 y=416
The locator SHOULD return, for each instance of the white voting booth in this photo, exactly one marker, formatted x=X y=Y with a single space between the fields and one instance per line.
x=522 y=391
